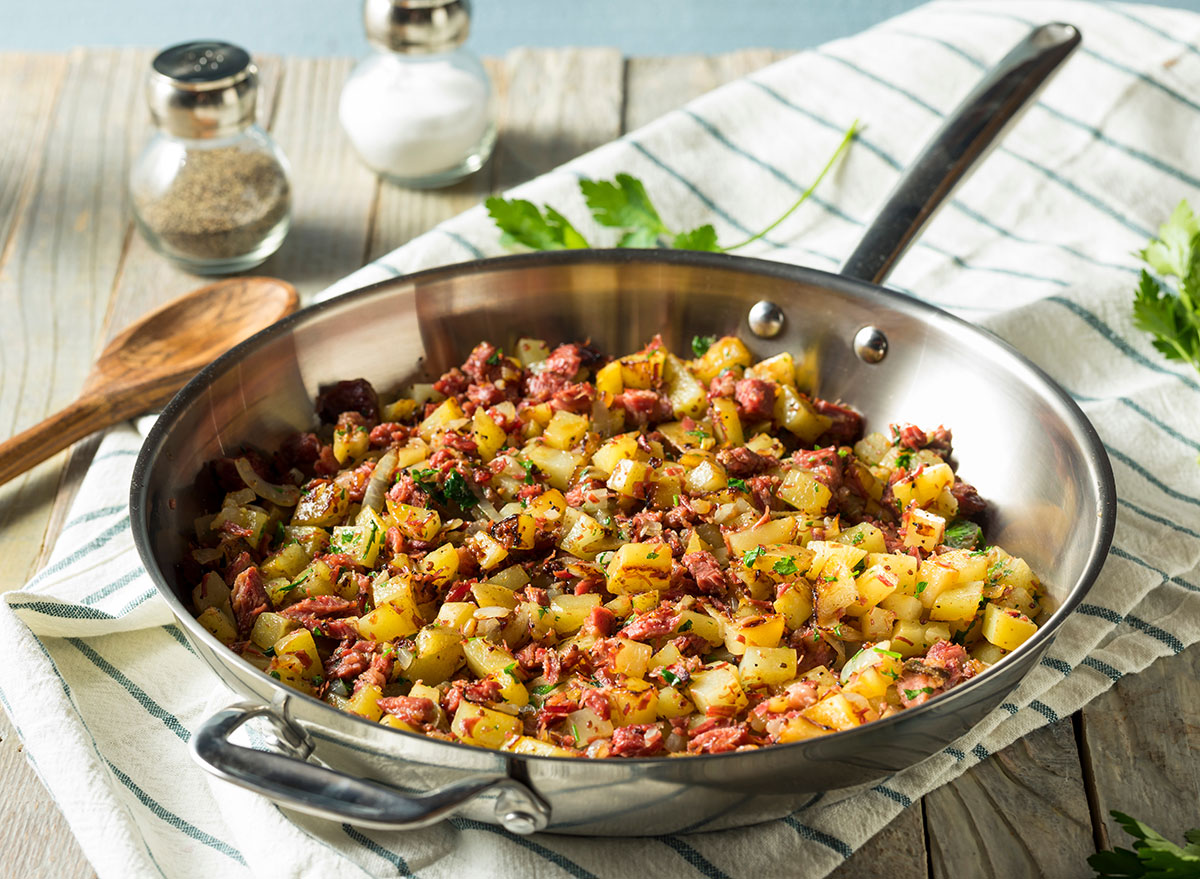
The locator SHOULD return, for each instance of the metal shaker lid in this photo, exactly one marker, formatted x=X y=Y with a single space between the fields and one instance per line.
x=417 y=26
x=205 y=88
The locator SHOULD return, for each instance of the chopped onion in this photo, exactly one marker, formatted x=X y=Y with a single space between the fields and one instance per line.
x=381 y=476
x=283 y=495
x=404 y=658
x=868 y=656
x=601 y=418
x=204 y=555
x=493 y=612
x=484 y=510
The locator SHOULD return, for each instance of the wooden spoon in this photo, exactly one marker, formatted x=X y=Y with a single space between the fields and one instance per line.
x=144 y=366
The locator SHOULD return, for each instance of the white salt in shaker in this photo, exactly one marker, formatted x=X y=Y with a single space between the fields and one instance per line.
x=419 y=111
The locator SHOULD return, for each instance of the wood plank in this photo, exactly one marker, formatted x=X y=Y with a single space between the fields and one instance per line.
x=900 y=846
x=1023 y=812
x=658 y=85
x=1142 y=742
x=63 y=255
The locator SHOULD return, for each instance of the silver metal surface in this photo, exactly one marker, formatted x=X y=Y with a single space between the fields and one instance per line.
x=1044 y=473
x=870 y=344
x=966 y=137
x=766 y=319
x=202 y=89
x=417 y=26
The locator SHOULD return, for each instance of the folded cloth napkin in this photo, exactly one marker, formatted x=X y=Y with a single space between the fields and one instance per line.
x=1037 y=247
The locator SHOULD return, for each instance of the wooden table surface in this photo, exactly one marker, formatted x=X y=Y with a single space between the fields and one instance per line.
x=74 y=272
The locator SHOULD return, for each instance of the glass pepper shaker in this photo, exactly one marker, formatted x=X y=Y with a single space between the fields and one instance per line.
x=419 y=111
x=211 y=189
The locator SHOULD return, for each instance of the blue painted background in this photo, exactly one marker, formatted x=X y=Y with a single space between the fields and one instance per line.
x=332 y=27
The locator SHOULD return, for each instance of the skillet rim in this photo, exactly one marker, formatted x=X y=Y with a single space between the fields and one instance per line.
x=1092 y=448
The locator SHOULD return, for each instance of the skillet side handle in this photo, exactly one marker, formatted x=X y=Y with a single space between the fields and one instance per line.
x=314 y=790
x=967 y=135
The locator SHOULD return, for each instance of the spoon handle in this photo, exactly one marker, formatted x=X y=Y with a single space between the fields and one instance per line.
x=89 y=413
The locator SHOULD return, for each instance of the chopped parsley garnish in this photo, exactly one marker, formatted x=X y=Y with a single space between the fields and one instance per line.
x=750 y=556
x=423 y=475
x=698 y=433
x=890 y=653
x=543 y=689
x=652 y=555
x=456 y=490
x=494 y=359
x=904 y=459
x=785 y=567
x=912 y=694
x=963 y=534
x=843 y=452
x=857 y=538
x=686 y=627
x=701 y=344
x=921 y=587
x=530 y=467
x=739 y=484
x=542 y=611
x=510 y=669
x=318 y=679
x=669 y=676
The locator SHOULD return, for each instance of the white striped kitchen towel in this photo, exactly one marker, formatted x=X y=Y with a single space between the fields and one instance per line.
x=1037 y=247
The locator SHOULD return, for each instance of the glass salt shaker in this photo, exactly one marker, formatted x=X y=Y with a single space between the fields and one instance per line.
x=419 y=111
x=211 y=189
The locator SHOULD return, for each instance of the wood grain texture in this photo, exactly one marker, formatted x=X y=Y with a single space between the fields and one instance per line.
x=900 y=846
x=1023 y=812
x=63 y=255
x=1142 y=739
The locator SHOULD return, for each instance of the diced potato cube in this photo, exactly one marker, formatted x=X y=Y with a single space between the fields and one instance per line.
x=767 y=666
x=760 y=630
x=490 y=595
x=702 y=625
x=456 y=614
x=511 y=578
x=566 y=429
x=440 y=419
x=530 y=351
x=874 y=585
x=486 y=659
x=365 y=703
x=289 y=668
x=796 y=414
x=780 y=369
x=287 y=561
x=488 y=551
x=219 y=624
x=687 y=395
x=537 y=748
x=583 y=536
x=728 y=352
x=387 y=622
x=922 y=529
x=672 y=703
x=797 y=729
x=877 y=623
x=796 y=604
x=439 y=654
x=668 y=655
x=632 y=657
x=805 y=493
x=634 y=701
x=615 y=450
x=441 y=564
x=608 y=379
x=717 y=689
x=987 y=652
x=547 y=509
x=781 y=530
x=485 y=727
x=639 y=567
x=586 y=725
x=905 y=607
x=211 y=591
x=864 y=535
x=643 y=370
x=557 y=465
x=1008 y=629
x=836 y=590
x=958 y=603
x=707 y=476
x=512 y=691
x=301 y=644
x=418 y=523
x=933 y=578
x=270 y=627
x=630 y=478
x=908 y=638
x=930 y=480
x=902 y=565
x=726 y=423
x=569 y=612
x=489 y=438
x=833 y=712
x=350 y=443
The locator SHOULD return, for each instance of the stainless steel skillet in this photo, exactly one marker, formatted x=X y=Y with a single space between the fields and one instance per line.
x=1018 y=437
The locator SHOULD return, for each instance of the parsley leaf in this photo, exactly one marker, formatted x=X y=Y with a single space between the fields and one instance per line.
x=921 y=587
x=456 y=490
x=963 y=534
x=522 y=223
x=1172 y=317
x=785 y=567
x=543 y=689
x=686 y=627
x=623 y=204
x=904 y=459
x=1153 y=855
x=750 y=556
x=701 y=344
x=739 y=484
x=912 y=694
x=670 y=677
x=701 y=238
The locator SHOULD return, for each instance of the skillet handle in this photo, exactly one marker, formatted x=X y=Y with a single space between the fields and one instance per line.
x=291 y=781
x=966 y=136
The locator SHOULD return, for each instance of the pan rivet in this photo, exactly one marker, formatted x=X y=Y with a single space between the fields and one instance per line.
x=870 y=344
x=521 y=823
x=766 y=319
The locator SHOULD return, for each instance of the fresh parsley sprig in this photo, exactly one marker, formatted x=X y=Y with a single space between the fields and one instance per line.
x=622 y=203
x=1153 y=855
x=1172 y=317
